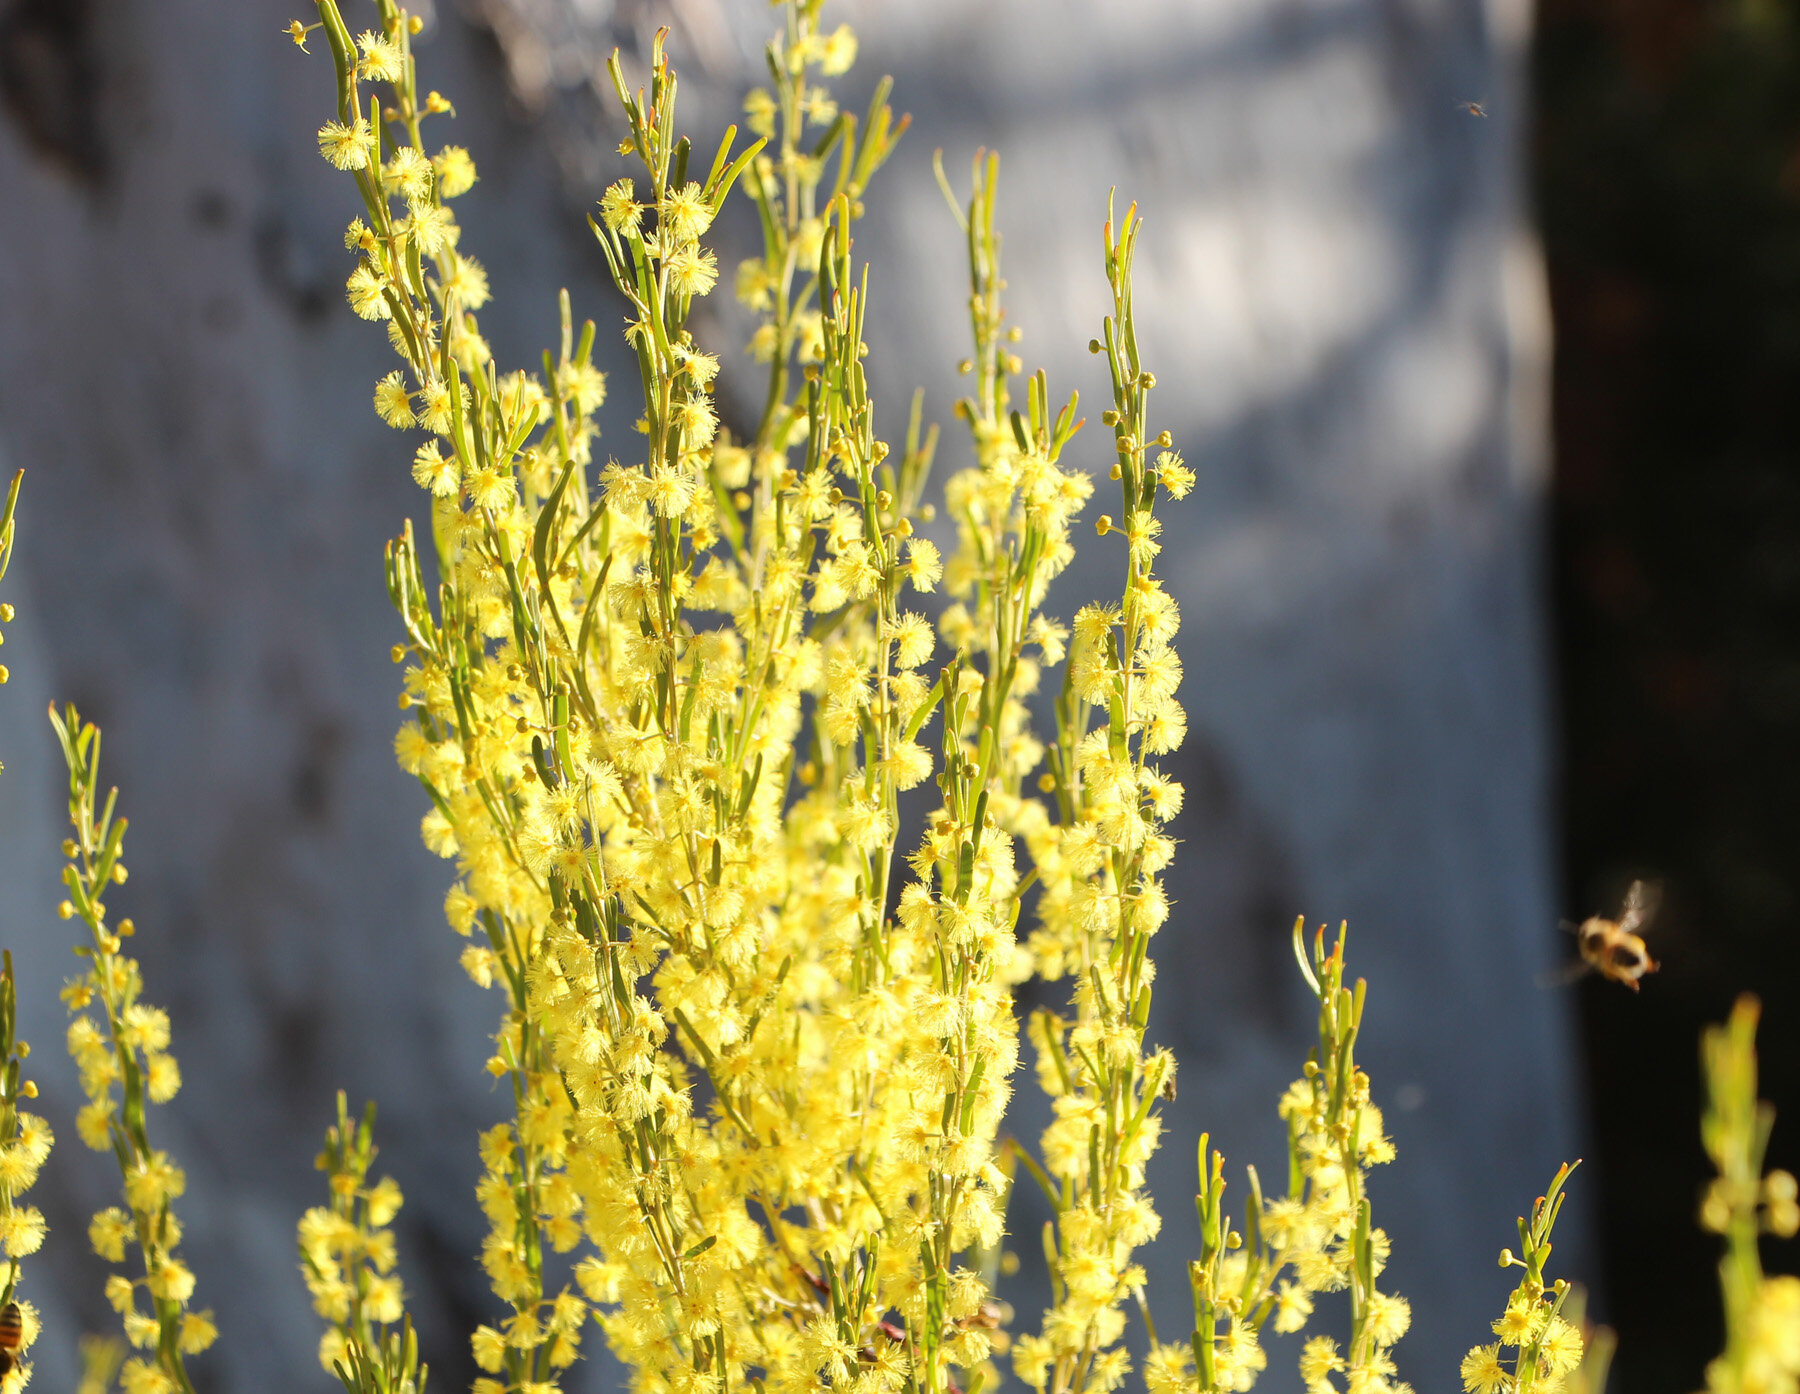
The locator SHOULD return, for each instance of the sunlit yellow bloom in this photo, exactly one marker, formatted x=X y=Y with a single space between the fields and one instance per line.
x=1482 y=1372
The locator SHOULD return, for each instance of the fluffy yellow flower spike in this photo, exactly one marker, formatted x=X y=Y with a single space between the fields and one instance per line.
x=25 y=1143
x=1762 y=1312
x=1546 y=1347
x=347 y=1251
x=120 y=1043
x=1319 y=1238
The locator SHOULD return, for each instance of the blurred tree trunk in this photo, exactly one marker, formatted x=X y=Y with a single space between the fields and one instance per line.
x=1339 y=297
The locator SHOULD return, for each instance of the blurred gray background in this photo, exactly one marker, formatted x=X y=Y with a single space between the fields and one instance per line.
x=1340 y=295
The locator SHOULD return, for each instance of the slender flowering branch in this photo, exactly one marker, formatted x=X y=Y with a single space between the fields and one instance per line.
x=347 y=1251
x=121 y=1045
x=1547 y=1347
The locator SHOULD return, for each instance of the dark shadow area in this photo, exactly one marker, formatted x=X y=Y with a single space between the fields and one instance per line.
x=49 y=80
x=1669 y=185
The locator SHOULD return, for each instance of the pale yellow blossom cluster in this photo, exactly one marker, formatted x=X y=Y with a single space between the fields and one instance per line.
x=759 y=1061
x=347 y=1251
x=1770 y=1343
x=25 y=1138
x=664 y=708
x=676 y=838
x=1762 y=1312
x=1100 y=845
x=1546 y=1347
x=1320 y=1238
x=1325 y=1234
x=120 y=1044
x=25 y=1141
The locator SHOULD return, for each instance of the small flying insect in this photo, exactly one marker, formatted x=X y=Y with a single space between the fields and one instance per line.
x=12 y=1333
x=1473 y=108
x=1615 y=948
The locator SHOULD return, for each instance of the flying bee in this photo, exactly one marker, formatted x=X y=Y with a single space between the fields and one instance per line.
x=1473 y=108
x=12 y=1333
x=1615 y=948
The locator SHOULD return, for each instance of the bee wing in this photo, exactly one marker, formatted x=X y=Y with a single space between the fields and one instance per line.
x=1564 y=976
x=1641 y=902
